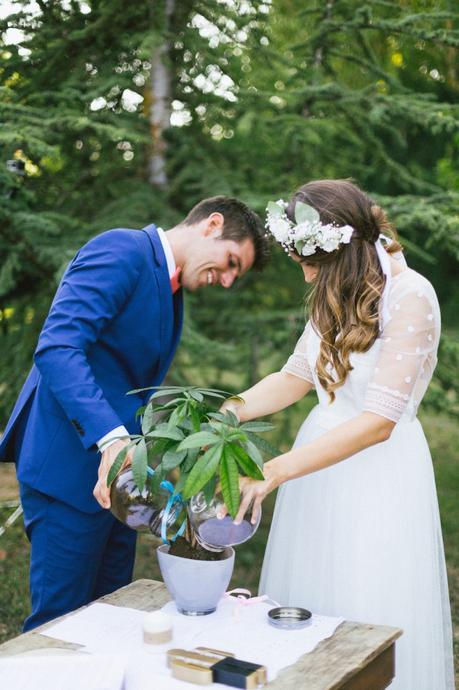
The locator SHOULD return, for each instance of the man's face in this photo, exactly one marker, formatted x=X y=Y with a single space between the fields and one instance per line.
x=214 y=261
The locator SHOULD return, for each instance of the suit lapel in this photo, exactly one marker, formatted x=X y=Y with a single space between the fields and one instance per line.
x=171 y=307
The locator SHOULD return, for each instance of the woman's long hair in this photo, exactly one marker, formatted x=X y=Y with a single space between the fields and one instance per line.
x=344 y=301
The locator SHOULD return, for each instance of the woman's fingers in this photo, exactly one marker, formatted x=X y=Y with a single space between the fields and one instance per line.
x=256 y=510
x=245 y=503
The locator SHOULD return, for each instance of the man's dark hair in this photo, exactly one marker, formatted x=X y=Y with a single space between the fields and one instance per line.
x=240 y=223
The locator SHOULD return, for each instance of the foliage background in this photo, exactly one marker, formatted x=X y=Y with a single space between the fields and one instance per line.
x=125 y=114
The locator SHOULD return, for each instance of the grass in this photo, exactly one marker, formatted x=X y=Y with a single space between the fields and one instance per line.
x=443 y=436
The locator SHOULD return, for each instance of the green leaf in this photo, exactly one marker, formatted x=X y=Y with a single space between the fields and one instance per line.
x=229 y=481
x=264 y=445
x=189 y=462
x=258 y=427
x=230 y=418
x=202 y=471
x=140 y=411
x=195 y=418
x=177 y=416
x=198 y=440
x=139 y=465
x=209 y=489
x=172 y=459
x=156 y=448
x=305 y=213
x=156 y=479
x=163 y=431
x=148 y=419
x=197 y=396
x=245 y=462
x=274 y=209
x=254 y=453
x=119 y=460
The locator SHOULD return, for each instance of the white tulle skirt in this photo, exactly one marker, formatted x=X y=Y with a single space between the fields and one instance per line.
x=362 y=540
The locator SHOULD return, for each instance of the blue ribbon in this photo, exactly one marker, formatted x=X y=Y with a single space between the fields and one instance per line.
x=171 y=501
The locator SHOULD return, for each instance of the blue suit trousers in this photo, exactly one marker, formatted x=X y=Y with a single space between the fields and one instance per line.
x=75 y=557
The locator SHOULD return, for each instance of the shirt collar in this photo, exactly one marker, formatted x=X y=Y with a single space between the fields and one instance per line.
x=171 y=265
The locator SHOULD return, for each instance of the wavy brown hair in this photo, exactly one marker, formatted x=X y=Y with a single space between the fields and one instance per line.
x=344 y=300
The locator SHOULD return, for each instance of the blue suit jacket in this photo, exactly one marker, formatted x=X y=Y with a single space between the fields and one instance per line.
x=114 y=326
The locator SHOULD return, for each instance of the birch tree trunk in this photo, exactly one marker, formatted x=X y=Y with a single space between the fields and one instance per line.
x=160 y=107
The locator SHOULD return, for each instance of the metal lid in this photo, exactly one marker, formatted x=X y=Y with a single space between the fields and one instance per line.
x=289 y=617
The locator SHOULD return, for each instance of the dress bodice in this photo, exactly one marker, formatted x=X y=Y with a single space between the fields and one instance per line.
x=391 y=378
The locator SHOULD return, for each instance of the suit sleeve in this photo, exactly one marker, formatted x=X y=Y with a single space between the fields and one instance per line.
x=95 y=288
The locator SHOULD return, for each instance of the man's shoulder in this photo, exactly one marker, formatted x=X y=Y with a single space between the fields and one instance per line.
x=118 y=244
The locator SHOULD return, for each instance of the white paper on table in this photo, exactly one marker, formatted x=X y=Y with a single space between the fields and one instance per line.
x=240 y=629
x=67 y=671
x=243 y=630
x=102 y=628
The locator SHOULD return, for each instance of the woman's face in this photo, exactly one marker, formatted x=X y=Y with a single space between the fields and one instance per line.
x=310 y=271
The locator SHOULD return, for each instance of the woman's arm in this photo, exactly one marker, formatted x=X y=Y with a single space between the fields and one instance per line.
x=338 y=444
x=273 y=393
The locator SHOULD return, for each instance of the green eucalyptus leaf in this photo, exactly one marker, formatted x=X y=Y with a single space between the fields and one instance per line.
x=139 y=465
x=274 y=209
x=173 y=458
x=245 y=462
x=198 y=440
x=305 y=213
x=202 y=470
x=229 y=481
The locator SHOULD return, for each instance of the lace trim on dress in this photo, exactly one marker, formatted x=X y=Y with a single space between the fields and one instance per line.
x=391 y=391
x=385 y=401
x=298 y=365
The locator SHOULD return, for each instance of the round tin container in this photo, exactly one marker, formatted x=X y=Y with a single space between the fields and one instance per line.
x=289 y=617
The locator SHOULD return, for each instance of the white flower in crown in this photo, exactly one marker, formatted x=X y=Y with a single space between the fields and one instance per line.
x=308 y=233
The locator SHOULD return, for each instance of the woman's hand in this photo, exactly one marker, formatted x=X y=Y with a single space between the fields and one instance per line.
x=254 y=491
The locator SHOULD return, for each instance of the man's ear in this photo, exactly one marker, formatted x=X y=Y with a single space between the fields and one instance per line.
x=213 y=225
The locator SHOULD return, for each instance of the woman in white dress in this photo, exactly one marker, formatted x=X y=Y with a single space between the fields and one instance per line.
x=356 y=530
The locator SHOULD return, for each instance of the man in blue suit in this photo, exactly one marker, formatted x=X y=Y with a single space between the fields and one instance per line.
x=113 y=326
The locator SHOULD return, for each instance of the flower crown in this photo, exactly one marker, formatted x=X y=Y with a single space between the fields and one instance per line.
x=308 y=233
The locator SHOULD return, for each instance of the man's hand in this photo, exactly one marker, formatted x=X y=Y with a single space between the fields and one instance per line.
x=101 y=490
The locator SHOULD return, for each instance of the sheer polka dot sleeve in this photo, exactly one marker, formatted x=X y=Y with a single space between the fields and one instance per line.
x=297 y=364
x=408 y=352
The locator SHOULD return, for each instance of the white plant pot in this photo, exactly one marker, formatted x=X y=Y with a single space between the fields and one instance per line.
x=195 y=586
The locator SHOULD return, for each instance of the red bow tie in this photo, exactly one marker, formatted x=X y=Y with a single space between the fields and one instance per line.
x=175 y=281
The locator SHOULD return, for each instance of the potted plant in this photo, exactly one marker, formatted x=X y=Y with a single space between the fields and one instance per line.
x=185 y=467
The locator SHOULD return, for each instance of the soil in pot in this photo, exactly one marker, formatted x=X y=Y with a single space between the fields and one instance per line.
x=181 y=547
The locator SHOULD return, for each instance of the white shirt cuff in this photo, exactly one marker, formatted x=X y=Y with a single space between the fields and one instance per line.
x=112 y=436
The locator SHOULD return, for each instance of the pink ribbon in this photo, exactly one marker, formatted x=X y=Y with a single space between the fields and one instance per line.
x=245 y=598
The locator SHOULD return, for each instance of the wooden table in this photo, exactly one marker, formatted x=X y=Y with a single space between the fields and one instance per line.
x=357 y=657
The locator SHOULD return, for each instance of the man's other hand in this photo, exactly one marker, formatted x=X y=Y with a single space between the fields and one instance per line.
x=101 y=490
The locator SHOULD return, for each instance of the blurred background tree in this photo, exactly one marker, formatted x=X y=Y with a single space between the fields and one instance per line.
x=125 y=114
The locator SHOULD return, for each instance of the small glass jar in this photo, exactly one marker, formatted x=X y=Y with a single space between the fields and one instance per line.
x=144 y=510
x=215 y=533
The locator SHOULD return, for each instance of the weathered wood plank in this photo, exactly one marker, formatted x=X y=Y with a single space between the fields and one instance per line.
x=358 y=656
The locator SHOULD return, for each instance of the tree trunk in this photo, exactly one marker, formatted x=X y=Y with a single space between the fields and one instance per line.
x=159 y=111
